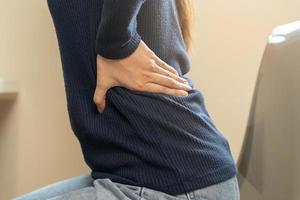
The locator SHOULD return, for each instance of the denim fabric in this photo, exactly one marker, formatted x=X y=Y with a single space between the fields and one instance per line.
x=85 y=188
x=58 y=188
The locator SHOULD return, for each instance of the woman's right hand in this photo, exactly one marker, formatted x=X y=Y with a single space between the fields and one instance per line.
x=143 y=70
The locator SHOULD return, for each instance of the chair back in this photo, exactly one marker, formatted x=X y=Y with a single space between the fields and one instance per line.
x=269 y=162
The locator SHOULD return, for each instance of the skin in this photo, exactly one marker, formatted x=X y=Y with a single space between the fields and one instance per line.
x=143 y=71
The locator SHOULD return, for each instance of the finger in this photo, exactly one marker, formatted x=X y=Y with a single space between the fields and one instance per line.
x=160 y=70
x=156 y=88
x=168 y=82
x=164 y=65
x=99 y=98
x=167 y=67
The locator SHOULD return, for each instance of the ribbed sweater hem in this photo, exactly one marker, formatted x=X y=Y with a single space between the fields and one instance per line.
x=217 y=176
x=198 y=182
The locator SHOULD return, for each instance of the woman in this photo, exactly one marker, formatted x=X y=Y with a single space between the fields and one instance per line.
x=144 y=133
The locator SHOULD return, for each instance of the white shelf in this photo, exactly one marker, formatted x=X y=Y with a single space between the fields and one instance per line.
x=8 y=90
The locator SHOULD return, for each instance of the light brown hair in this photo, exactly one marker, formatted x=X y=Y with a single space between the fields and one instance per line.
x=185 y=14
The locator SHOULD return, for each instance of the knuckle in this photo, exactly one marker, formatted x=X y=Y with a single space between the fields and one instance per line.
x=166 y=91
x=169 y=74
x=153 y=67
x=151 y=63
x=151 y=54
x=148 y=87
x=173 y=83
x=147 y=76
x=139 y=85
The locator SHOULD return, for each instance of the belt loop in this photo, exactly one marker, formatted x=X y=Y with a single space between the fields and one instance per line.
x=190 y=195
x=142 y=193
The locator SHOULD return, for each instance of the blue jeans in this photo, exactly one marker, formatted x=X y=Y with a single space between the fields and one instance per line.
x=85 y=188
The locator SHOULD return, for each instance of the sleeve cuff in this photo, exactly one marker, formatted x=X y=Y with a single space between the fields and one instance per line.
x=119 y=52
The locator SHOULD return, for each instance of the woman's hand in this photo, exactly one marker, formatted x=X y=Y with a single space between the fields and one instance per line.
x=141 y=71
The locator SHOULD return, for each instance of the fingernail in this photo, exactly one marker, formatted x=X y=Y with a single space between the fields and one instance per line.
x=190 y=88
x=183 y=80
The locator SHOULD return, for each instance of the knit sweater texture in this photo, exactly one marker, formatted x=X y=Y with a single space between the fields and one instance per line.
x=164 y=142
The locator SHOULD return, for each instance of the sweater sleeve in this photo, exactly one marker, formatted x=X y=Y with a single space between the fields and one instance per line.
x=117 y=35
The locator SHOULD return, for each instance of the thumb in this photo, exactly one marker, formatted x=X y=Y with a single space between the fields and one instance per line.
x=99 y=97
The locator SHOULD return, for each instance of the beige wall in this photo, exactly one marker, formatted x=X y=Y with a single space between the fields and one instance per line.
x=37 y=146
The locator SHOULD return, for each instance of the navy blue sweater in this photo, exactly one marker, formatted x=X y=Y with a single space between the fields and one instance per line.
x=164 y=142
